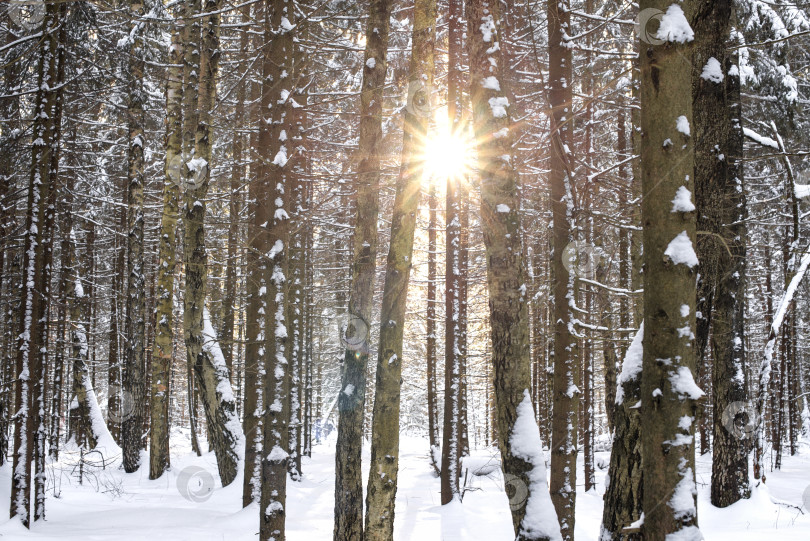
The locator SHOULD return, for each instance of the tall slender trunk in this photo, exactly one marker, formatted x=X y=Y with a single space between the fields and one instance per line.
x=238 y=170
x=29 y=433
x=258 y=243
x=351 y=400
x=114 y=374
x=159 y=460
x=430 y=330
x=720 y=200
x=299 y=230
x=275 y=170
x=382 y=479
x=132 y=434
x=202 y=347
x=522 y=457
x=453 y=350
x=667 y=382
x=565 y=394
x=9 y=141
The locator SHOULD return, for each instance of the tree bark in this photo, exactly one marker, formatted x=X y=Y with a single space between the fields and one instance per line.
x=351 y=400
x=132 y=434
x=453 y=331
x=275 y=165
x=721 y=249
x=523 y=465
x=565 y=394
x=668 y=389
x=382 y=479
x=31 y=343
x=623 y=494
x=202 y=347
x=159 y=460
x=430 y=338
x=255 y=279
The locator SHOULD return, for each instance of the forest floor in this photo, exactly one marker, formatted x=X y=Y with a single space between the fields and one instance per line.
x=113 y=505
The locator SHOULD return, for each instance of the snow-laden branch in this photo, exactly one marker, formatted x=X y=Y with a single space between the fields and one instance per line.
x=760 y=139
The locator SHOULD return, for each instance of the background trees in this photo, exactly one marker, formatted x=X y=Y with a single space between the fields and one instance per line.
x=282 y=122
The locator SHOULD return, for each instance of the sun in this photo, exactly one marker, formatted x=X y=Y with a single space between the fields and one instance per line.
x=446 y=154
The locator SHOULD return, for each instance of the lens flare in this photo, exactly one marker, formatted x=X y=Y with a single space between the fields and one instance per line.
x=447 y=154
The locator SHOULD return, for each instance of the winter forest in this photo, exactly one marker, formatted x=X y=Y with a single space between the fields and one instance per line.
x=405 y=270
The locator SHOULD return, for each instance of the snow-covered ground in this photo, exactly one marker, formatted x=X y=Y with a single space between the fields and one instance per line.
x=113 y=505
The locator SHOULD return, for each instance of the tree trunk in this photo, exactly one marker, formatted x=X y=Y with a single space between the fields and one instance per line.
x=275 y=167
x=31 y=343
x=202 y=348
x=565 y=394
x=668 y=219
x=522 y=458
x=86 y=427
x=382 y=479
x=430 y=338
x=159 y=460
x=453 y=331
x=720 y=200
x=255 y=280
x=623 y=495
x=351 y=400
x=114 y=378
x=132 y=434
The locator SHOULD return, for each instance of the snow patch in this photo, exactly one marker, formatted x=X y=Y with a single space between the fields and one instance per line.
x=674 y=27
x=682 y=124
x=540 y=520
x=684 y=384
x=683 y=201
x=712 y=71
x=680 y=251
x=631 y=367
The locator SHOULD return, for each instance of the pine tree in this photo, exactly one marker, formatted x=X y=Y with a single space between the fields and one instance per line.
x=522 y=458
x=721 y=249
x=669 y=392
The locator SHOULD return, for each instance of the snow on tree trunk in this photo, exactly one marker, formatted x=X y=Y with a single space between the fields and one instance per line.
x=276 y=161
x=202 y=348
x=348 y=475
x=508 y=305
x=668 y=391
x=382 y=479
x=624 y=480
x=28 y=444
